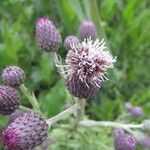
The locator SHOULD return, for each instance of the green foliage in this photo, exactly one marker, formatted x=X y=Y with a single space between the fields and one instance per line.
x=126 y=27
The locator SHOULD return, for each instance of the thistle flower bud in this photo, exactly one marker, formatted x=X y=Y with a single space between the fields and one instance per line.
x=26 y=132
x=128 y=106
x=70 y=41
x=119 y=135
x=86 y=65
x=15 y=115
x=13 y=76
x=137 y=111
x=47 y=35
x=9 y=100
x=123 y=141
x=87 y=29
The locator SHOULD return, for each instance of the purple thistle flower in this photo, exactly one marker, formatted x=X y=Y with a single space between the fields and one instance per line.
x=87 y=64
x=87 y=29
x=26 y=132
x=13 y=76
x=70 y=41
x=9 y=100
x=137 y=111
x=123 y=140
x=47 y=35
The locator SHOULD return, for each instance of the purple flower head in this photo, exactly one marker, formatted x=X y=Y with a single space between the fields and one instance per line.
x=26 y=132
x=87 y=29
x=9 y=100
x=137 y=111
x=70 y=41
x=87 y=64
x=13 y=76
x=123 y=140
x=47 y=35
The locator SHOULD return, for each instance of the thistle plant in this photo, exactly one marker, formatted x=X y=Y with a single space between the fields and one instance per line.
x=84 y=72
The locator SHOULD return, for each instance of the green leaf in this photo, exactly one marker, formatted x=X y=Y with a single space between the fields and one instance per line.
x=53 y=100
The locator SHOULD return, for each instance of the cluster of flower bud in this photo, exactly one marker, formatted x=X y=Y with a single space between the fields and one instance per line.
x=87 y=60
x=25 y=130
x=86 y=30
x=12 y=77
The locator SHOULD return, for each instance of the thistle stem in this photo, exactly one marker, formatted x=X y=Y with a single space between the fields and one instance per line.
x=30 y=96
x=58 y=63
x=25 y=108
x=63 y=114
x=91 y=123
x=78 y=113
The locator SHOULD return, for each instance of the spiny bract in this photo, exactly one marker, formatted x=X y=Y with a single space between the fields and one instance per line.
x=9 y=100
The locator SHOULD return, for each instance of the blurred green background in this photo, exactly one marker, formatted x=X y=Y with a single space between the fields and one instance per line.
x=123 y=23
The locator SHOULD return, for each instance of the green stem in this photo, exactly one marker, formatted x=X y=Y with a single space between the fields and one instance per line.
x=79 y=112
x=83 y=113
x=58 y=64
x=25 y=108
x=91 y=123
x=31 y=97
x=62 y=115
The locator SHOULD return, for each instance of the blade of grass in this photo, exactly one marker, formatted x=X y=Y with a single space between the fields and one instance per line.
x=76 y=5
x=86 y=6
x=96 y=18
